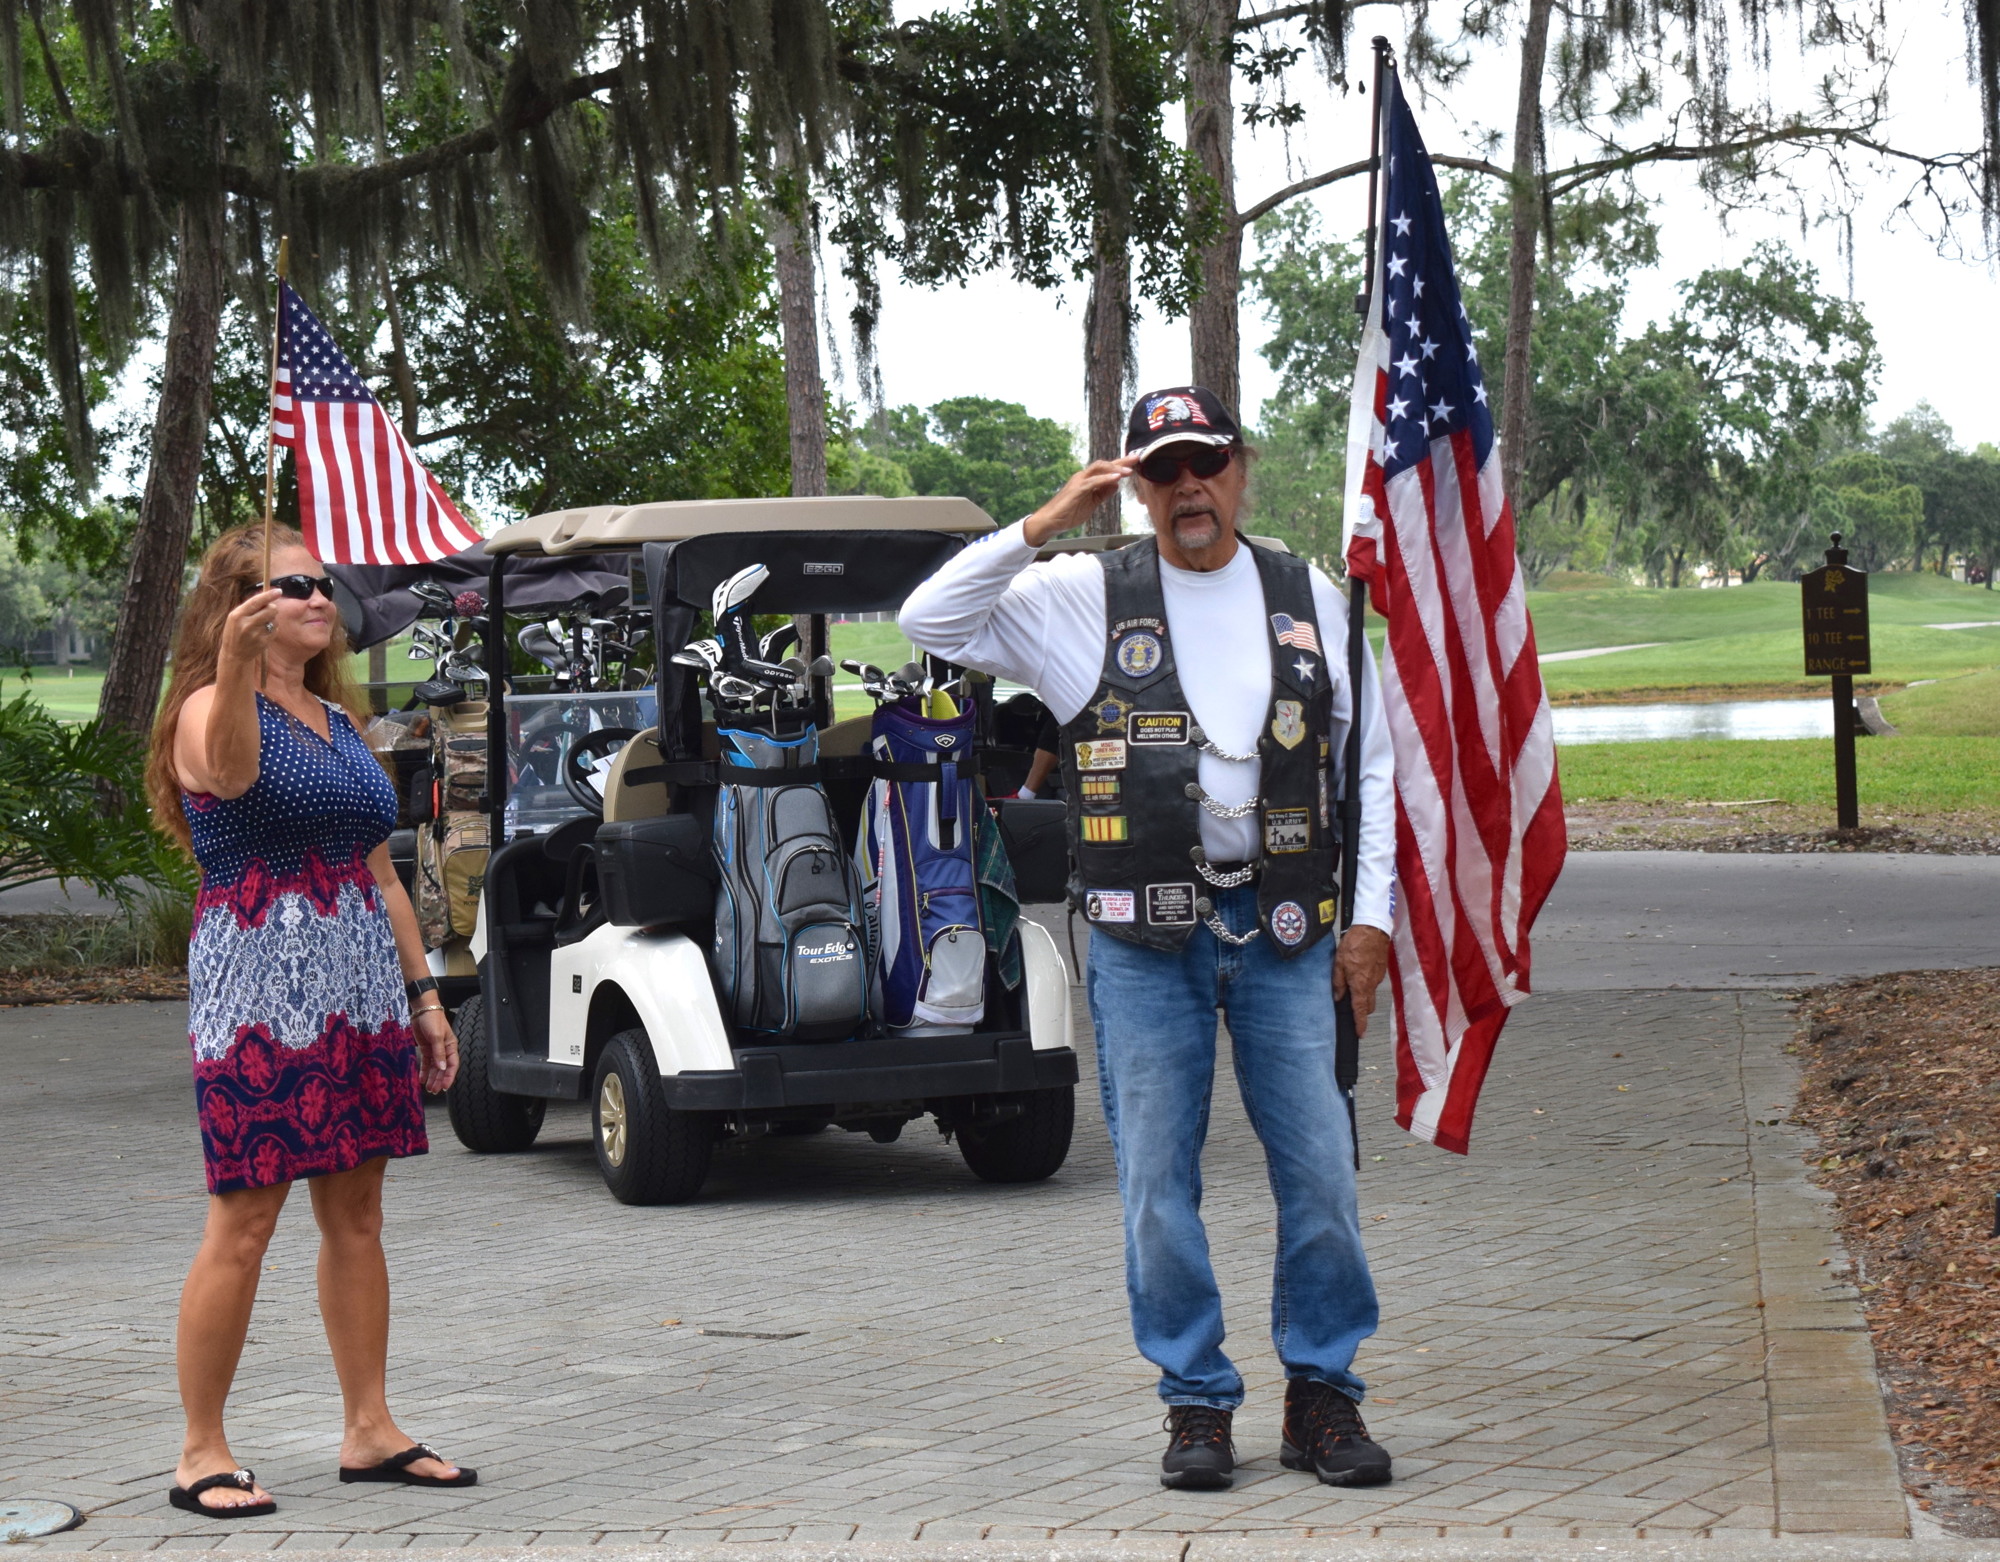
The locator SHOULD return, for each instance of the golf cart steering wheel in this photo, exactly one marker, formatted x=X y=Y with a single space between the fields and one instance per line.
x=580 y=758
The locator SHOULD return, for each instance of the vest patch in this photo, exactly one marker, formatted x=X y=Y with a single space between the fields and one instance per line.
x=1108 y=905
x=1160 y=726
x=1170 y=905
x=1101 y=829
x=1101 y=792
x=1138 y=654
x=1101 y=754
x=1287 y=830
x=1325 y=912
x=1288 y=923
x=1111 y=712
x=1288 y=722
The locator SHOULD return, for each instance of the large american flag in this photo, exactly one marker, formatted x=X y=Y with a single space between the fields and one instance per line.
x=363 y=496
x=1479 y=821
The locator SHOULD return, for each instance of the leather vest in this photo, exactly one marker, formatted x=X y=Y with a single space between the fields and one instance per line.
x=1131 y=760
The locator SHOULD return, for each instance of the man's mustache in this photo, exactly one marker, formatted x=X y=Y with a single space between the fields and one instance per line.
x=1189 y=507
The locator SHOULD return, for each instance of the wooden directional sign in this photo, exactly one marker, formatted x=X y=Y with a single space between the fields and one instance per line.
x=1836 y=618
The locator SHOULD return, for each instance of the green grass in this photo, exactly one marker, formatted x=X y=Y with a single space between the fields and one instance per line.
x=1749 y=636
x=1916 y=774
x=1965 y=707
x=70 y=698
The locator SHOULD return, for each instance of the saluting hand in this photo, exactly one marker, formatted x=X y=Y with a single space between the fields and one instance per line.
x=1074 y=501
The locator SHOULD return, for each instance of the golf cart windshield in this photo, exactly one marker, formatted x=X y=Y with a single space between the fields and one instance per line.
x=540 y=730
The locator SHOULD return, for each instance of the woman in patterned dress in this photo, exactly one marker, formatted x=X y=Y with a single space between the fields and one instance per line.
x=308 y=1061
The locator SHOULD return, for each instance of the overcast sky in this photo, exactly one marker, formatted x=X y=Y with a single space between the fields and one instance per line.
x=1931 y=313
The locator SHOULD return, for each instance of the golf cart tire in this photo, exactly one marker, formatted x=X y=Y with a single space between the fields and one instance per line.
x=1026 y=1148
x=647 y=1152
x=487 y=1121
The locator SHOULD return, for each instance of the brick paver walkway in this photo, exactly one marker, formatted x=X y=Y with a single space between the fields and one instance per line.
x=1612 y=1320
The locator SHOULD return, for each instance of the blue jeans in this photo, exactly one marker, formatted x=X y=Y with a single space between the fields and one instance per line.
x=1155 y=1014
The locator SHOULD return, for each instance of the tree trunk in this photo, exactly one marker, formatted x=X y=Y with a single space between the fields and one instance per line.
x=1105 y=330
x=798 y=309
x=1526 y=210
x=146 y=612
x=1214 y=341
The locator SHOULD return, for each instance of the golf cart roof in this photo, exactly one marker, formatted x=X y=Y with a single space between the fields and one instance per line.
x=621 y=528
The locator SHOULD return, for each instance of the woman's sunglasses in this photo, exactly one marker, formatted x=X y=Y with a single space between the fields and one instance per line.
x=1165 y=466
x=297 y=587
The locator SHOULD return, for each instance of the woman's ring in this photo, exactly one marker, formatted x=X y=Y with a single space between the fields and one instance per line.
x=270 y=626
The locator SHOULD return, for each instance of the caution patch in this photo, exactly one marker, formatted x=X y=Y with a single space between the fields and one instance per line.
x=1160 y=726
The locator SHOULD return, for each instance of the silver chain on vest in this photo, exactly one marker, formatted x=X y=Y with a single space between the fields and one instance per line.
x=1215 y=926
x=1229 y=880
x=1240 y=811
x=1215 y=750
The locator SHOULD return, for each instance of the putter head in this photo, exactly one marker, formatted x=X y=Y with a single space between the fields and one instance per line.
x=738 y=589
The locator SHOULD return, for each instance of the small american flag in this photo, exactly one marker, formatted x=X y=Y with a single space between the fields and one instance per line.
x=1479 y=820
x=1300 y=637
x=364 y=498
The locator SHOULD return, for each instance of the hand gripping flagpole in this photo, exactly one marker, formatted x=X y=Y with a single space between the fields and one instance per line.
x=271 y=420
x=1347 y=1038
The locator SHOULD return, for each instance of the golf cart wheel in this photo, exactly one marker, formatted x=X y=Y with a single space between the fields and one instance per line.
x=648 y=1153
x=487 y=1121
x=1025 y=1148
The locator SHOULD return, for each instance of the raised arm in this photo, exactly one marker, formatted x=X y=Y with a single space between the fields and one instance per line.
x=986 y=609
x=216 y=738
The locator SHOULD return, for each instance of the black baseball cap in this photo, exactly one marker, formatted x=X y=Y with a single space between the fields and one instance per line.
x=1179 y=415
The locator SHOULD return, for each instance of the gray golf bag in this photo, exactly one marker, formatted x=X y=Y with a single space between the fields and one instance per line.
x=789 y=955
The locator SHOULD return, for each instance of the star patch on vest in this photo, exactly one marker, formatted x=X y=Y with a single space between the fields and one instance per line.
x=1288 y=722
x=1288 y=923
x=1111 y=712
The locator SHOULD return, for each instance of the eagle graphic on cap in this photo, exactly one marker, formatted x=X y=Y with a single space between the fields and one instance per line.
x=1175 y=409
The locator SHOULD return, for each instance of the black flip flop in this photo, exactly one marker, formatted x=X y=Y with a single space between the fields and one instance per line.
x=188 y=1498
x=395 y=1469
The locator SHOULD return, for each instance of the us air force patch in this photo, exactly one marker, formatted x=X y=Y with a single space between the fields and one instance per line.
x=1138 y=654
x=1288 y=722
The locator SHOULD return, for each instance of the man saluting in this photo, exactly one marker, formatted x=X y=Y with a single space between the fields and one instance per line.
x=1203 y=729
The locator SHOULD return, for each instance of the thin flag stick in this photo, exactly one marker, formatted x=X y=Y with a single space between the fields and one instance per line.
x=1347 y=1039
x=271 y=421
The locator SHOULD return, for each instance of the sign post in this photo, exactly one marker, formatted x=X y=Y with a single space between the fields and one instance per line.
x=1835 y=602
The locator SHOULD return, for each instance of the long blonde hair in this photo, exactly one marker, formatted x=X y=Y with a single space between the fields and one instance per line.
x=230 y=570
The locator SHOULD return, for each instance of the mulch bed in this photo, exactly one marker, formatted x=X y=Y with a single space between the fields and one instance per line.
x=1782 y=828
x=1902 y=1084
x=100 y=984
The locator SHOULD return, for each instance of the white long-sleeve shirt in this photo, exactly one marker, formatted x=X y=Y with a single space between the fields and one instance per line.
x=1043 y=625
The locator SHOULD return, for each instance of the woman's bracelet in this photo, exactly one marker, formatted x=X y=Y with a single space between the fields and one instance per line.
x=429 y=1008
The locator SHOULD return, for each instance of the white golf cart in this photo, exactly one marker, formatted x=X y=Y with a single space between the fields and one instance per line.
x=594 y=935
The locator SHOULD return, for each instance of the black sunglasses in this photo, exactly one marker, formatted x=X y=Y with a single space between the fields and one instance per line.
x=299 y=588
x=1204 y=461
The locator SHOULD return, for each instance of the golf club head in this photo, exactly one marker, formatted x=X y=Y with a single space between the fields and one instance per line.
x=738 y=589
x=822 y=667
x=611 y=599
x=430 y=593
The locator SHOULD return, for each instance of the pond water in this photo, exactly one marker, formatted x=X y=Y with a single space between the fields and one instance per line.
x=1716 y=719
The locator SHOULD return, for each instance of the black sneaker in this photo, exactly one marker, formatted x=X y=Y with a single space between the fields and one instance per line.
x=1324 y=1434
x=1200 y=1456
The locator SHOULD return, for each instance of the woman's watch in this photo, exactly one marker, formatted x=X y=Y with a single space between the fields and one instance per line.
x=423 y=984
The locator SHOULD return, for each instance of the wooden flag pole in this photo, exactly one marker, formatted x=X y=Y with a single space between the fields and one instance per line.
x=271 y=422
x=1347 y=1036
